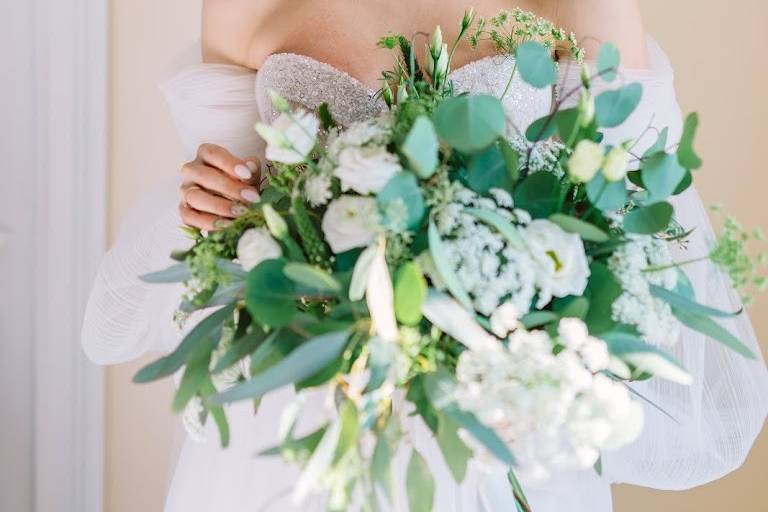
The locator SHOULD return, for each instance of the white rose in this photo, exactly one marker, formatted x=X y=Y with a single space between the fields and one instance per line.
x=562 y=266
x=586 y=160
x=291 y=137
x=616 y=162
x=366 y=169
x=256 y=245
x=350 y=222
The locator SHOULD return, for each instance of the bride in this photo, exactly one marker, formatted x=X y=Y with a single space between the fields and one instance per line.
x=313 y=51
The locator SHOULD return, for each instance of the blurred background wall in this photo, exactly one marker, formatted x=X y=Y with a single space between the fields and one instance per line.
x=720 y=72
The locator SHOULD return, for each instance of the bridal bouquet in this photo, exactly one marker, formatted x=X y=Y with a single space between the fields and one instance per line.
x=434 y=261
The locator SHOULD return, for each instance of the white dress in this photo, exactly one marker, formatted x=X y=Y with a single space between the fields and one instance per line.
x=716 y=419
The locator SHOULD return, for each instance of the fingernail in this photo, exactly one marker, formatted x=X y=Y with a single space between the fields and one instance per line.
x=243 y=172
x=253 y=166
x=239 y=209
x=250 y=195
x=222 y=223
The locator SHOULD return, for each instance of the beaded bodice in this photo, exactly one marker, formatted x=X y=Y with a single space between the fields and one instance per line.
x=219 y=104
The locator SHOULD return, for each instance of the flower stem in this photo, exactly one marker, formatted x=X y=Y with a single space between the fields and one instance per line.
x=660 y=268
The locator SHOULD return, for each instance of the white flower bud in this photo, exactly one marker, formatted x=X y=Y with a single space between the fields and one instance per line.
x=276 y=224
x=441 y=67
x=586 y=160
x=616 y=162
x=256 y=245
x=437 y=42
x=291 y=137
x=586 y=108
x=350 y=222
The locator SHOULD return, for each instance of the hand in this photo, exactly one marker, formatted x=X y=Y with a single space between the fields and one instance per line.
x=216 y=187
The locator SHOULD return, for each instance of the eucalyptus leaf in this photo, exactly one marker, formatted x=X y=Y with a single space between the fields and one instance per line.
x=602 y=290
x=194 y=376
x=511 y=158
x=607 y=196
x=662 y=174
x=612 y=108
x=709 y=327
x=538 y=319
x=201 y=333
x=444 y=268
x=455 y=452
x=420 y=484
x=489 y=169
x=318 y=463
x=240 y=349
x=306 y=360
x=686 y=154
x=177 y=273
x=686 y=304
x=421 y=147
x=535 y=64
x=381 y=467
x=311 y=277
x=404 y=189
x=648 y=220
x=470 y=123
x=219 y=417
x=645 y=357
x=270 y=295
x=608 y=62
x=585 y=230
x=660 y=145
x=538 y=194
x=572 y=307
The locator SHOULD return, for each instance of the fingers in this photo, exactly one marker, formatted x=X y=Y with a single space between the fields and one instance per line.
x=205 y=202
x=220 y=158
x=214 y=180
x=201 y=220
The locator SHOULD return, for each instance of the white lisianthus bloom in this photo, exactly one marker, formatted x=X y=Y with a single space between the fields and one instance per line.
x=562 y=268
x=505 y=319
x=291 y=137
x=257 y=245
x=350 y=222
x=616 y=162
x=317 y=189
x=366 y=169
x=586 y=160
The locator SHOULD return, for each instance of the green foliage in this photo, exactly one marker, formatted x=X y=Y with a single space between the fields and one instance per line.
x=605 y=195
x=505 y=228
x=602 y=290
x=608 y=62
x=410 y=292
x=492 y=168
x=690 y=306
x=314 y=245
x=709 y=327
x=312 y=278
x=686 y=154
x=612 y=108
x=421 y=147
x=303 y=362
x=644 y=357
x=470 y=124
x=538 y=194
x=420 y=484
x=447 y=273
x=648 y=220
x=202 y=334
x=270 y=295
x=535 y=64
x=401 y=202
x=662 y=174
x=588 y=232
x=455 y=452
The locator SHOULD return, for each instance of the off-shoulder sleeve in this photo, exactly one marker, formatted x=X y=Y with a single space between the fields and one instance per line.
x=717 y=418
x=126 y=317
x=210 y=103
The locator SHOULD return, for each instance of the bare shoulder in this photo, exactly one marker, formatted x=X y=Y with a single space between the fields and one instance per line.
x=599 y=21
x=230 y=28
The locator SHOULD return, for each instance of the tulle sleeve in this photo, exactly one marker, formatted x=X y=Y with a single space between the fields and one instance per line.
x=717 y=418
x=126 y=317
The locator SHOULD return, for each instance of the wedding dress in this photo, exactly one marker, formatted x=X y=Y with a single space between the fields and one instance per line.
x=715 y=420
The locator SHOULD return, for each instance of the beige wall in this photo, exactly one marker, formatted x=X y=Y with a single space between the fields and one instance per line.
x=712 y=45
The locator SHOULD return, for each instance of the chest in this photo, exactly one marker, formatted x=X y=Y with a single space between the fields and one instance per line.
x=344 y=33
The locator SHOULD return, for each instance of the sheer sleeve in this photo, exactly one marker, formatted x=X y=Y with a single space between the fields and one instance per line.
x=126 y=317
x=717 y=418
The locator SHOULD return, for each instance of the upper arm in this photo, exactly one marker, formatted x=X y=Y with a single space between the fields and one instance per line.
x=599 y=21
x=230 y=28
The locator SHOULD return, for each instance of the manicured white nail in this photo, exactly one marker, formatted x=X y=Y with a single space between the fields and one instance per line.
x=239 y=209
x=250 y=195
x=253 y=166
x=243 y=172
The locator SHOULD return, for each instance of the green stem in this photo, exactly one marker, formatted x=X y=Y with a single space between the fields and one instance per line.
x=660 y=268
x=509 y=82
